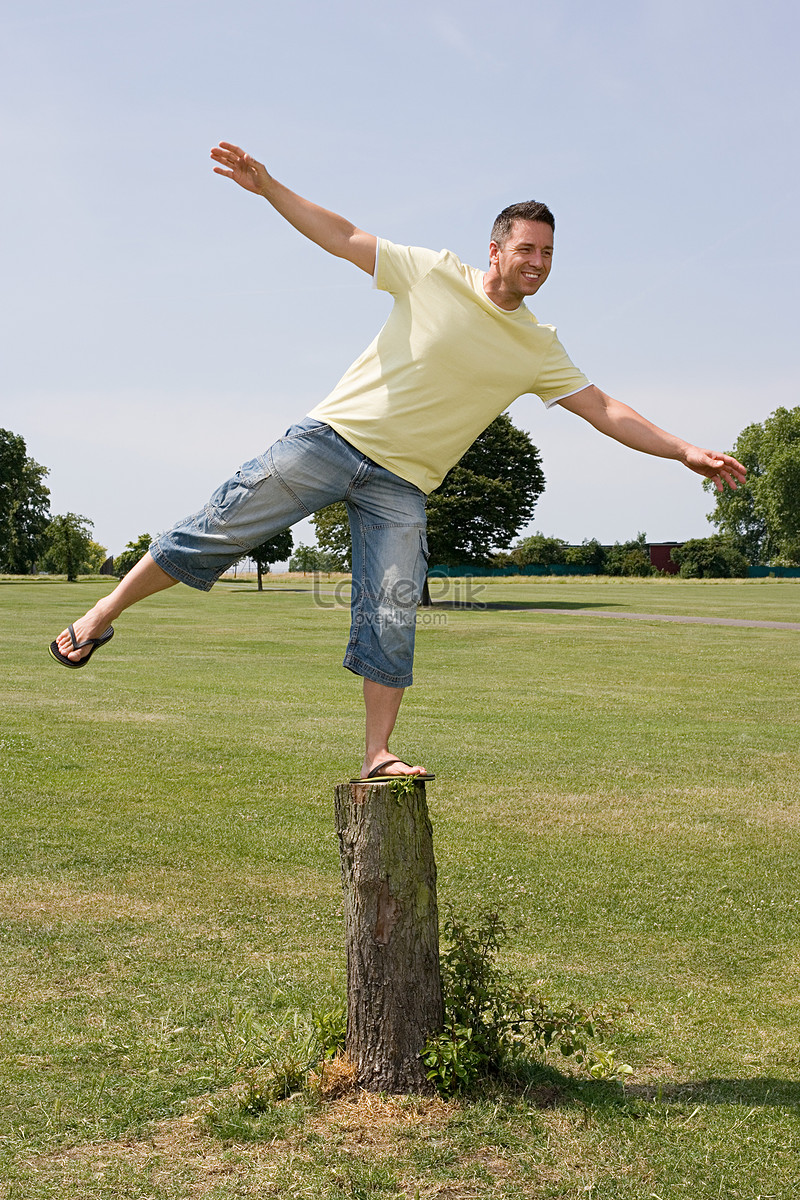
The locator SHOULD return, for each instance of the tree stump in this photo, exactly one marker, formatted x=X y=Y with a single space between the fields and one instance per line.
x=394 y=991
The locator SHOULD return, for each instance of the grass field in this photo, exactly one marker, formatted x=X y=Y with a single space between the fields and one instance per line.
x=628 y=792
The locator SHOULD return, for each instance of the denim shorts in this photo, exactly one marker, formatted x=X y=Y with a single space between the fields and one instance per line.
x=310 y=467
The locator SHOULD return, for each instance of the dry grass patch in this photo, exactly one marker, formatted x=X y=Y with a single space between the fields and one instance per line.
x=178 y=1157
x=378 y=1120
x=31 y=899
x=175 y=1156
x=43 y=899
x=336 y=1077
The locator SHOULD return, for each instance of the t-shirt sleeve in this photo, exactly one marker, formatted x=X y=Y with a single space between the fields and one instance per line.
x=558 y=377
x=400 y=267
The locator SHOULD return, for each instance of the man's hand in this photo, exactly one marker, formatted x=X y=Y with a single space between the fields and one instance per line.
x=240 y=167
x=719 y=468
x=330 y=231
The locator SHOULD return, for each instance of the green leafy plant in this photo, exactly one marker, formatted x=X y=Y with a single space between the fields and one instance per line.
x=495 y=1026
x=330 y=1028
x=404 y=785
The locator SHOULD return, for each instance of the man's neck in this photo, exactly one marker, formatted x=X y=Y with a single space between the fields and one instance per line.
x=499 y=294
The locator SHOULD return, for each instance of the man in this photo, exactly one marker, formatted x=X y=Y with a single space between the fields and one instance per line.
x=457 y=349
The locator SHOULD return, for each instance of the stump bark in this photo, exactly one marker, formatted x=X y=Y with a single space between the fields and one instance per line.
x=394 y=991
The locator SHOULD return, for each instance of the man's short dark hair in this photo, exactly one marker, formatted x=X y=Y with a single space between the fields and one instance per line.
x=526 y=210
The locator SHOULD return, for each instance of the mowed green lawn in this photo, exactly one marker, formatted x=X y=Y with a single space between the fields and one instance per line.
x=628 y=792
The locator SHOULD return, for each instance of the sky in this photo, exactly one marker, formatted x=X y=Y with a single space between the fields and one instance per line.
x=159 y=325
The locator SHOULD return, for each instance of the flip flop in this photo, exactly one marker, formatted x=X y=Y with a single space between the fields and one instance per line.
x=95 y=643
x=376 y=777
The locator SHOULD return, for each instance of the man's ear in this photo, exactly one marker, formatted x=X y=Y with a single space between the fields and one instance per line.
x=493 y=249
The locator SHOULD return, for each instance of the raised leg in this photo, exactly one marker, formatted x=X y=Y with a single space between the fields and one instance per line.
x=144 y=580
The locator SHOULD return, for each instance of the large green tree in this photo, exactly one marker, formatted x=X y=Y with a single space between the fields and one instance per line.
x=487 y=497
x=69 y=545
x=479 y=508
x=761 y=518
x=24 y=506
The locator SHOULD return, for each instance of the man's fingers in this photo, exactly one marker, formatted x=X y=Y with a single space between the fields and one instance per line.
x=721 y=469
x=236 y=165
x=227 y=160
x=733 y=464
x=732 y=472
x=723 y=476
x=230 y=157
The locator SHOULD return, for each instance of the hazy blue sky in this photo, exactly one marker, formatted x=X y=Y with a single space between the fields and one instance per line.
x=160 y=325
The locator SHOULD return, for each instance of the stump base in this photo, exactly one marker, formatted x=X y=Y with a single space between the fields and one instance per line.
x=394 y=991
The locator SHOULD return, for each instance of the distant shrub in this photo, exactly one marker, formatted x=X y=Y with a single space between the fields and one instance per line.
x=537 y=550
x=629 y=558
x=589 y=554
x=311 y=558
x=710 y=558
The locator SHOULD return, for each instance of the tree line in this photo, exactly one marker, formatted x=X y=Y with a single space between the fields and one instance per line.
x=31 y=538
x=473 y=517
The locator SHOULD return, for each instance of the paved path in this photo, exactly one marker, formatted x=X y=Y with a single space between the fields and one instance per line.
x=596 y=612
x=629 y=616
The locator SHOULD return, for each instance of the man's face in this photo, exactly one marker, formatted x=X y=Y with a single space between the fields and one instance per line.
x=523 y=262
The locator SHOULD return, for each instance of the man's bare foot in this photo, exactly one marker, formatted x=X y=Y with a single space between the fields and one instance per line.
x=92 y=625
x=388 y=765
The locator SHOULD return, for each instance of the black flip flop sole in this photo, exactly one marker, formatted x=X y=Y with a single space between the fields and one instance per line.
x=393 y=778
x=62 y=659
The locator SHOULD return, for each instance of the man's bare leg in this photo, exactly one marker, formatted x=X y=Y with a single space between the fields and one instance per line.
x=145 y=579
x=382 y=706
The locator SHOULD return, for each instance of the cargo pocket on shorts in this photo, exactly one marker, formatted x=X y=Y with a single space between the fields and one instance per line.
x=236 y=491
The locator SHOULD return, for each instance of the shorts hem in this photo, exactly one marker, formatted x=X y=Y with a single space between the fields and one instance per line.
x=162 y=560
x=359 y=667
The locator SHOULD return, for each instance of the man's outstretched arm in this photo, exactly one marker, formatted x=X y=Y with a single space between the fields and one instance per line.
x=330 y=231
x=629 y=427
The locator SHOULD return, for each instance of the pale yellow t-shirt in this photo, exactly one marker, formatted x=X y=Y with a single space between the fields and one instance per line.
x=446 y=363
